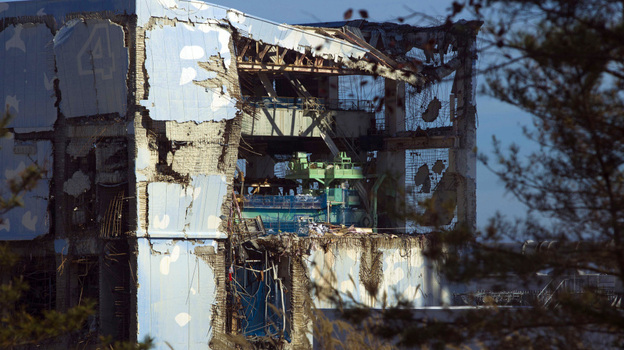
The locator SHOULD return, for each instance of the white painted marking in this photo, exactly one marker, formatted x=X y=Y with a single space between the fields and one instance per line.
x=41 y=12
x=187 y=76
x=204 y=27
x=224 y=40
x=164 y=265
x=12 y=102
x=16 y=41
x=5 y=225
x=29 y=221
x=347 y=287
x=175 y=254
x=213 y=222
x=191 y=52
x=11 y=174
x=182 y=319
x=161 y=223
x=99 y=54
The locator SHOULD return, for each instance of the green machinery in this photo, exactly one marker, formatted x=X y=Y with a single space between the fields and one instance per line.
x=327 y=196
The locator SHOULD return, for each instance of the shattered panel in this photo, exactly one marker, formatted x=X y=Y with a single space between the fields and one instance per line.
x=27 y=70
x=192 y=211
x=32 y=219
x=92 y=66
x=182 y=89
x=177 y=291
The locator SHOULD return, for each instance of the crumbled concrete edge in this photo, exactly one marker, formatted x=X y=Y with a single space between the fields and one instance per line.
x=216 y=260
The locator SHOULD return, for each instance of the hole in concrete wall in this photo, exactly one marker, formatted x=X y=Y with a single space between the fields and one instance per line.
x=262 y=294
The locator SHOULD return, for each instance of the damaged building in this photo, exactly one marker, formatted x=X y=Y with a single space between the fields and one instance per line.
x=203 y=168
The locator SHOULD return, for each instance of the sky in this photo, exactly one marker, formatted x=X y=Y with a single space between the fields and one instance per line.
x=494 y=117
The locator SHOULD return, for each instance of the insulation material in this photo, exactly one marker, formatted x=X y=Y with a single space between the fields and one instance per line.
x=27 y=70
x=186 y=211
x=92 y=66
x=363 y=269
x=32 y=219
x=177 y=292
x=173 y=56
x=195 y=149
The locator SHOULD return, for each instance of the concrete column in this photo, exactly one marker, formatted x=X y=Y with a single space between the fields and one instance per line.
x=394 y=106
x=392 y=194
x=392 y=163
x=463 y=159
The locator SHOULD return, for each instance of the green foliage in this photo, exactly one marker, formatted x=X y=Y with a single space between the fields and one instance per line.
x=108 y=343
x=562 y=62
x=18 y=327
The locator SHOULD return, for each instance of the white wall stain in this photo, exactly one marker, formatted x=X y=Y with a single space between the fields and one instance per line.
x=159 y=223
x=16 y=41
x=5 y=225
x=30 y=221
x=191 y=52
x=12 y=174
x=78 y=184
x=164 y=265
x=182 y=319
x=213 y=222
x=11 y=101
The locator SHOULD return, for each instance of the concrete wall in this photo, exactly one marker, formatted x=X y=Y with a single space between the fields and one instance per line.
x=181 y=294
x=363 y=268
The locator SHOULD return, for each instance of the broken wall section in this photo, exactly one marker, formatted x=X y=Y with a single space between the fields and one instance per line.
x=188 y=130
x=362 y=269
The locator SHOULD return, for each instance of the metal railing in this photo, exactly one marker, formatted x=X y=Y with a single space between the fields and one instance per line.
x=283 y=202
x=308 y=103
